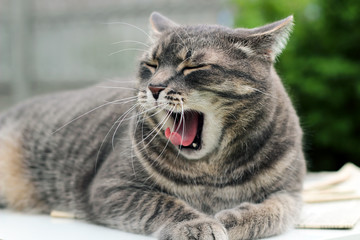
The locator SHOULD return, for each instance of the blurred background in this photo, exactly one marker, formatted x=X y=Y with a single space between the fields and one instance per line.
x=49 y=45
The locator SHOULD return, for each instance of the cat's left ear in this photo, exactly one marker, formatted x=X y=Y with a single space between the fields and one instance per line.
x=159 y=23
x=271 y=39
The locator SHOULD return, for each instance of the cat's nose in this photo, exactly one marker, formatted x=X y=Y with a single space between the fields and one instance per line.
x=155 y=90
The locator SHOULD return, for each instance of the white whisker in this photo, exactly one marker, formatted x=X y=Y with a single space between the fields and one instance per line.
x=148 y=110
x=162 y=123
x=156 y=128
x=131 y=41
x=123 y=99
x=115 y=87
x=121 y=102
x=117 y=81
x=137 y=115
x=107 y=134
x=129 y=49
x=257 y=90
x=142 y=128
x=123 y=116
x=167 y=142
x=182 y=118
x=132 y=153
x=131 y=25
x=82 y=115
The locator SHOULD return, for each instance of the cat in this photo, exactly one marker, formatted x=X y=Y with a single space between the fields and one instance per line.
x=206 y=144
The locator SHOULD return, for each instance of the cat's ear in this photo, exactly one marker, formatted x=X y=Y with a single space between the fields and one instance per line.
x=270 y=39
x=159 y=23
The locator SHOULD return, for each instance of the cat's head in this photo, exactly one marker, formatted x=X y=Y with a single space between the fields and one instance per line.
x=205 y=85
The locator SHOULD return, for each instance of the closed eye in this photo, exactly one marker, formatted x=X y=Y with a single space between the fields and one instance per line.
x=189 y=69
x=151 y=66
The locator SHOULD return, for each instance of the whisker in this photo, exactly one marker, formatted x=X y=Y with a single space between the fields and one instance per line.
x=131 y=25
x=182 y=118
x=115 y=87
x=123 y=100
x=162 y=122
x=137 y=115
x=132 y=152
x=167 y=142
x=107 y=134
x=82 y=115
x=117 y=81
x=133 y=146
x=130 y=49
x=267 y=94
x=145 y=149
x=148 y=110
x=131 y=41
x=123 y=116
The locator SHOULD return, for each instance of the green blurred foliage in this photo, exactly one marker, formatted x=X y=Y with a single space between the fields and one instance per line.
x=321 y=70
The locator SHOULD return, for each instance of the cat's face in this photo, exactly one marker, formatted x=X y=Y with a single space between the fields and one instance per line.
x=200 y=84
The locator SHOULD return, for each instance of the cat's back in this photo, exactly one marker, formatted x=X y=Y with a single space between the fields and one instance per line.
x=64 y=106
x=59 y=136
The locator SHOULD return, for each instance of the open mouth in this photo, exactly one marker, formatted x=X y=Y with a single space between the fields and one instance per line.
x=187 y=129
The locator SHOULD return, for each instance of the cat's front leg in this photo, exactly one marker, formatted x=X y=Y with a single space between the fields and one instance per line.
x=152 y=213
x=203 y=228
x=273 y=216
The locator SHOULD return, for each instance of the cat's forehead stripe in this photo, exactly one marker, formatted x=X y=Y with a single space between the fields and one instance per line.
x=188 y=54
x=157 y=51
x=153 y=52
x=160 y=48
x=185 y=53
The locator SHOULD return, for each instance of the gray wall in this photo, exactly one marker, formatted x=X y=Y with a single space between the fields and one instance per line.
x=50 y=45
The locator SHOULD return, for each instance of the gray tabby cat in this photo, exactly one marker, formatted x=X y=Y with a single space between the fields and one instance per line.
x=209 y=148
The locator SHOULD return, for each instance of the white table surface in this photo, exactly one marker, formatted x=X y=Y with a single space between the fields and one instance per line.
x=20 y=226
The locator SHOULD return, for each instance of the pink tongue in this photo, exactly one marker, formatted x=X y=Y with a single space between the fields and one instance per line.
x=184 y=134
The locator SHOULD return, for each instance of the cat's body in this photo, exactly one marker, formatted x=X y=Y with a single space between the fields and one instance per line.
x=238 y=174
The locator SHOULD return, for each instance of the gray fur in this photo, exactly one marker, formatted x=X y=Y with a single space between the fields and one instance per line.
x=116 y=167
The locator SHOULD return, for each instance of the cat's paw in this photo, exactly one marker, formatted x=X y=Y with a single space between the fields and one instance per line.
x=231 y=218
x=199 y=229
x=227 y=218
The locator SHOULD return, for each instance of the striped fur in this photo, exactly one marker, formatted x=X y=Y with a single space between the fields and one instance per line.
x=102 y=153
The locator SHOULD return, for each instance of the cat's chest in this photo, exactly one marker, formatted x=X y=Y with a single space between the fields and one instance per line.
x=212 y=199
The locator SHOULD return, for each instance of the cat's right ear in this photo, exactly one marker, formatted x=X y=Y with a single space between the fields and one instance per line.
x=268 y=40
x=159 y=23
